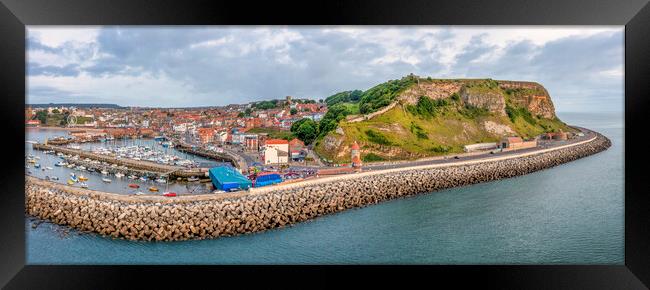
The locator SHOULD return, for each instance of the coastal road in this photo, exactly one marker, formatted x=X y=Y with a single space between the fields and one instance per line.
x=542 y=144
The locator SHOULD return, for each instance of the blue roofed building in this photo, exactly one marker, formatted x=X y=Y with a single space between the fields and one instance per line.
x=228 y=179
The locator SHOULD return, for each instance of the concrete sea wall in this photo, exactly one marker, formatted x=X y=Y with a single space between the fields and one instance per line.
x=205 y=216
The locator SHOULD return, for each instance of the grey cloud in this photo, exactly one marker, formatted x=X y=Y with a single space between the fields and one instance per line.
x=34 y=69
x=320 y=64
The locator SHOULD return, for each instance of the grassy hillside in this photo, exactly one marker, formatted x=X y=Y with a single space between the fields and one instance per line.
x=428 y=128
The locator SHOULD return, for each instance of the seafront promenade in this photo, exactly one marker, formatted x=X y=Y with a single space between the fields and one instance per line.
x=153 y=217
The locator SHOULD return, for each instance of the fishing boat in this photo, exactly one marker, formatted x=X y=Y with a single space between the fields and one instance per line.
x=27 y=166
x=106 y=180
x=119 y=175
x=143 y=178
x=153 y=188
x=36 y=165
x=83 y=185
x=133 y=185
x=49 y=168
x=104 y=172
x=169 y=194
x=31 y=160
x=161 y=180
x=192 y=179
x=82 y=178
x=54 y=178
x=70 y=182
x=60 y=163
x=81 y=167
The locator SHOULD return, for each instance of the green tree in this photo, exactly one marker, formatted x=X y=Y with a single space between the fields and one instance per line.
x=293 y=111
x=42 y=116
x=55 y=111
x=307 y=132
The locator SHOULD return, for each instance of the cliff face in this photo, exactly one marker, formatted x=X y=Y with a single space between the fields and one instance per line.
x=458 y=112
x=487 y=94
x=531 y=96
x=492 y=100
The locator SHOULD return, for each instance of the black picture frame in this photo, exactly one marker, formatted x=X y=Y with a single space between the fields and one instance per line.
x=635 y=15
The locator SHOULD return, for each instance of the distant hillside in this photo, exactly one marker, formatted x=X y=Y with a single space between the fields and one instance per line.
x=418 y=117
x=108 y=106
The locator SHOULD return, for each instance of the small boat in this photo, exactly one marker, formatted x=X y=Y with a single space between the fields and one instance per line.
x=37 y=157
x=119 y=175
x=161 y=180
x=60 y=163
x=169 y=194
x=70 y=165
x=106 y=180
x=153 y=188
x=104 y=172
x=143 y=178
x=37 y=165
x=83 y=178
x=49 y=168
x=132 y=177
x=70 y=182
x=82 y=167
x=83 y=185
x=54 y=178
x=192 y=179
x=27 y=166
x=133 y=185
x=31 y=161
x=139 y=193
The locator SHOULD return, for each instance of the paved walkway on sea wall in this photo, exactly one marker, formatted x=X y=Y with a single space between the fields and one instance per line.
x=208 y=216
x=279 y=187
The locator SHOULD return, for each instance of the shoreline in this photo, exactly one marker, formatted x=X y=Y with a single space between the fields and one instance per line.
x=207 y=216
x=66 y=128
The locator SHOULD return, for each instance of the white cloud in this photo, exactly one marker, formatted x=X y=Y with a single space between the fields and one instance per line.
x=215 y=65
x=55 y=36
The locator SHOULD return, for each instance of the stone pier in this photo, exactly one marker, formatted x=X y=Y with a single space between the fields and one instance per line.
x=154 y=217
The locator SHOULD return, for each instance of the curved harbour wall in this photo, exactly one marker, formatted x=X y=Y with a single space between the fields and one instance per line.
x=205 y=216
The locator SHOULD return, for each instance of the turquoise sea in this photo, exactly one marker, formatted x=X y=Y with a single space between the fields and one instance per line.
x=570 y=214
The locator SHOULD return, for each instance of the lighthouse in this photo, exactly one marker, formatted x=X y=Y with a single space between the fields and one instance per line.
x=356 y=156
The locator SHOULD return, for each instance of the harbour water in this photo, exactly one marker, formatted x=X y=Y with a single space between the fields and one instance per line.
x=117 y=185
x=570 y=214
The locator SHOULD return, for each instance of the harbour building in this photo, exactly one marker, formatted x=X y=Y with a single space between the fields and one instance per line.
x=228 y=179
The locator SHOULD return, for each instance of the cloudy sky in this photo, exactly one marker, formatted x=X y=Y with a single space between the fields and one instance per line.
x=582 y=67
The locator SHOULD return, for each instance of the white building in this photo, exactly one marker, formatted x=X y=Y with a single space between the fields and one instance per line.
x=276 y=151
x=221 y=136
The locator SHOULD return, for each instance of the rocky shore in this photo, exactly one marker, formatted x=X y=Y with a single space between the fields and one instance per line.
x=199 y=217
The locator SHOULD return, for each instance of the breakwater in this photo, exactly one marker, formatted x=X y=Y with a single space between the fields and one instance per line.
x=150 y=217
x=138 y=167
